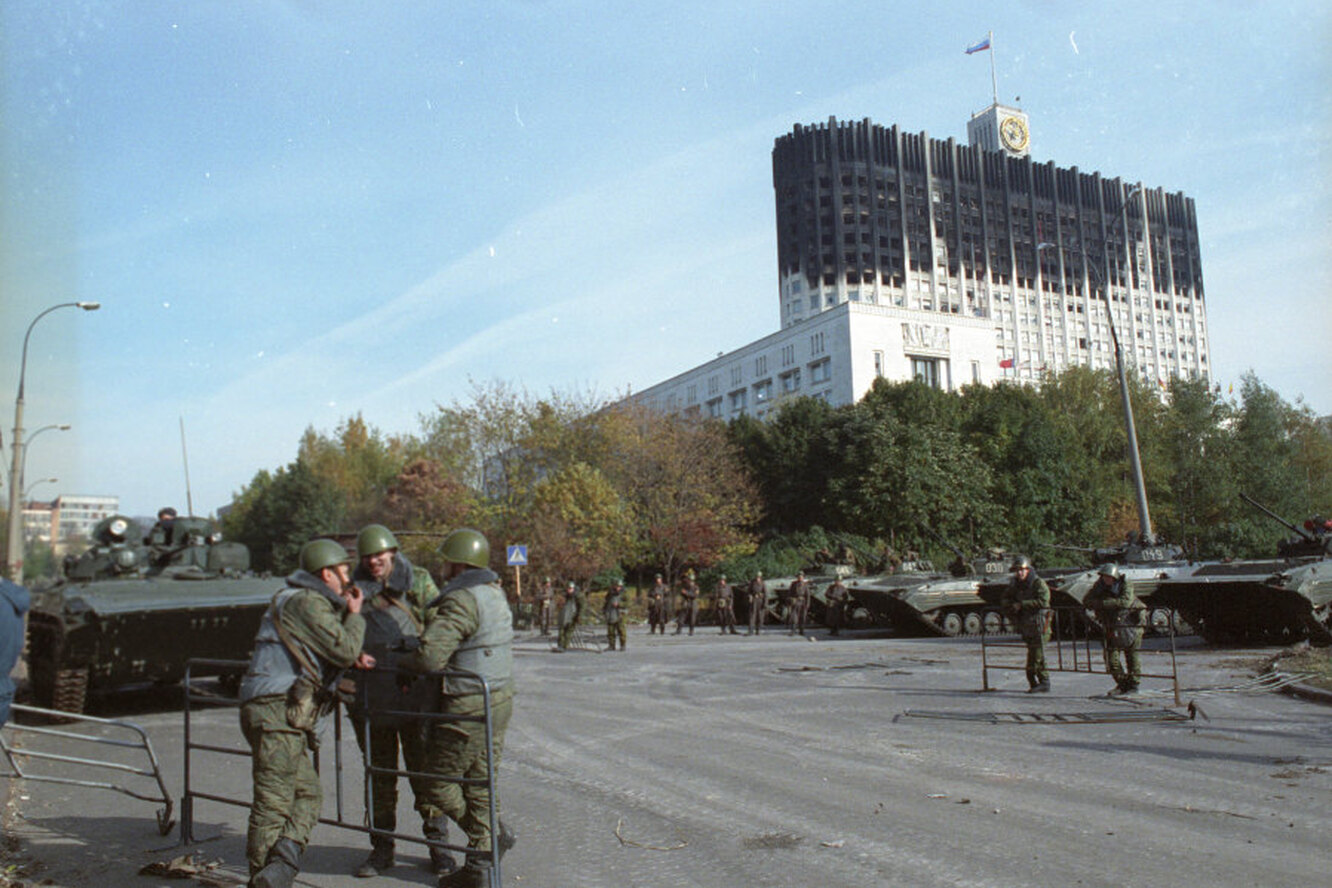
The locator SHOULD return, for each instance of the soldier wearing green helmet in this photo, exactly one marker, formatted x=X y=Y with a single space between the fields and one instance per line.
x=468 y=627
x=1120 y=614
x=1027 y=600
x=311 y=632
x=396 y=594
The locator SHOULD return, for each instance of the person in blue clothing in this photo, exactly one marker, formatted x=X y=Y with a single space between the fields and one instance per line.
x=14 y=601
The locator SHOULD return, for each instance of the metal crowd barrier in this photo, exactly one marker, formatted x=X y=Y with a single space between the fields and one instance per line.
x=1069 y=649
x=236 y=667
x=15 y=755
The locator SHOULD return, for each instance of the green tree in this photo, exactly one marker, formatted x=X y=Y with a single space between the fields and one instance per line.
x=357 y=460
x=1202 y=477
x=690 y=496
x=902 y=464
x=789 y=457
x=579 y=523
x=277 y=513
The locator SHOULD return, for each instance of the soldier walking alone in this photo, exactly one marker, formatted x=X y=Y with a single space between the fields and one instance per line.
x=613 y=613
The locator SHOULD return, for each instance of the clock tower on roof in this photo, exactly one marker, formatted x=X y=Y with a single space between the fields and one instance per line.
x=1001 y=128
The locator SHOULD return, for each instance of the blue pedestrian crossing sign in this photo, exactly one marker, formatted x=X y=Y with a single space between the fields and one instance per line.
x=517 y=556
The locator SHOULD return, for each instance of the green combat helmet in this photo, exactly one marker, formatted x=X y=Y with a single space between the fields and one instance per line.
x=1109 y=569
x=319 y=554
x=1019 y=562
x=466 y=546
x=373 y=539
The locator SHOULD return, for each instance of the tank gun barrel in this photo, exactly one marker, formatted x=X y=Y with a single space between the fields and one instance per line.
x=943 y=542
x=1277 y=518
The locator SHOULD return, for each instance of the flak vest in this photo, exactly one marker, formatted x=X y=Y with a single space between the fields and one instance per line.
x=272 y=667
x=489 y=651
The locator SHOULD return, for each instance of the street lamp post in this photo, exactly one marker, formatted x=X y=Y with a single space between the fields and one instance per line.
x=27 y=494
x=1130 y=428
x=14 y=553
x=63 y=426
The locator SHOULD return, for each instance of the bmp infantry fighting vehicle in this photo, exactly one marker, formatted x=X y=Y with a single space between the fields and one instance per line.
x=1145 y=564
x=942 y=603
x=1280 y=600
x=131 y=610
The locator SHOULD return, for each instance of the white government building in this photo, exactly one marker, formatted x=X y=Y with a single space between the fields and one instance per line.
x=906 y=257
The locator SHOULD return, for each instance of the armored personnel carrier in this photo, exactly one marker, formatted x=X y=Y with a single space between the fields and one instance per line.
x=131 y=610
x=1145 y=564
x=951 y=603
x=1269 y=601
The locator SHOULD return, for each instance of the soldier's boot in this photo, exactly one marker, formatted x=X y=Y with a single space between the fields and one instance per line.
x=476 y=874
x=380 y=861
x=1043 y=687
x=280 y=867
x=441 y=861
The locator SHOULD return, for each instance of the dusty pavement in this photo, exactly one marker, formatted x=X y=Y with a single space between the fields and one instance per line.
x=734 y=761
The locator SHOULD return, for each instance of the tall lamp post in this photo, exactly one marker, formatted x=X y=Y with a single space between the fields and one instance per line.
x=1130 y=429
x=14 y=554
x=63 y=426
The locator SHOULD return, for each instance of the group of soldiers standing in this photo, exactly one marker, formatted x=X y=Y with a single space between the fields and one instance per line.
x=387 y=623
x=682 y=605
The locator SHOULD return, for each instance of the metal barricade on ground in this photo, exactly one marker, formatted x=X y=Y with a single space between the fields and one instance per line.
x=342 y=810
x=16 y=755
x=1073 y=637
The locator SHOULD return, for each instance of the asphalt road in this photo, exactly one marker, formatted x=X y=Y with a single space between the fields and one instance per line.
x=778 y=761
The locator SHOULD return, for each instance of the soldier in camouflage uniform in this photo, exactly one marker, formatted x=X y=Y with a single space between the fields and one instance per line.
x=657 y=607
x=396 y=594
x=836 y=596
x=1027 y=600
x=468 y=627
x=798 y=597
x=311 y=632
x=545 y=603
x=613 y=613
x=725 y=606
x=758 y=603
x=1120 y=614
x=688 y=612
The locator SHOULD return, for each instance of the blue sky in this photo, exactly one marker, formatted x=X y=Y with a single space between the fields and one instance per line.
x=294 y=212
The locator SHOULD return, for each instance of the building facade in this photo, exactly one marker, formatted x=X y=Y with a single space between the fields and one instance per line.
x=68 y=516
x=989 y=265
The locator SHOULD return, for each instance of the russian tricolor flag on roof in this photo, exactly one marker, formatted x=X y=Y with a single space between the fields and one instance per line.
x=979 y=47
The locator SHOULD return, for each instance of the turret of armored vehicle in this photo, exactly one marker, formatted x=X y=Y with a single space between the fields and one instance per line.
x=951 y=602
x=130 y=610
x=1279 y=600
x=1144 y=563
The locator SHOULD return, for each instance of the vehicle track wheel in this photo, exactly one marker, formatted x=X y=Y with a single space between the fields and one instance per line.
x=1159 y=620
x=971 y=623
x=993 y=621
x=70 y=692
x=951 y=623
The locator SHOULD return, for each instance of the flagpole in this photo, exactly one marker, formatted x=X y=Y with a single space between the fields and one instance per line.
x=994 y=80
